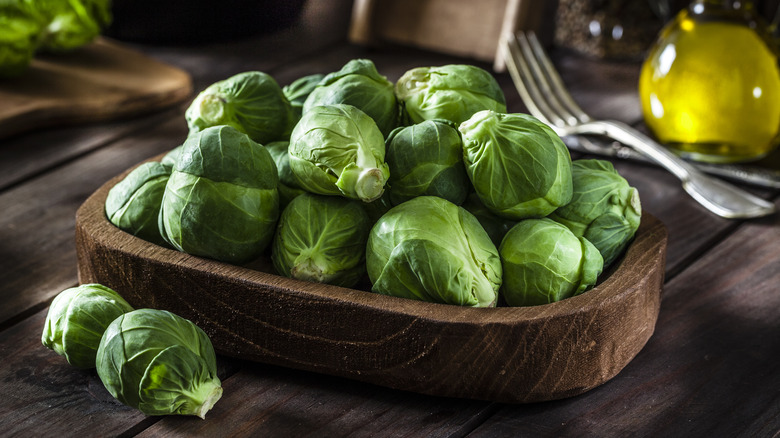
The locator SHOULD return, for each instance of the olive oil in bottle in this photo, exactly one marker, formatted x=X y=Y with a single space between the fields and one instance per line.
x=710 y=86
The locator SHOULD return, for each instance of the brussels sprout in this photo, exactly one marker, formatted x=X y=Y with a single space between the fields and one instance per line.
x=288 y=186
x=430 y=249
x=604 y=208
x=77 y=319
x=133 y=204
x=545 y=262
x=496 y=226
x=322 y=239
x=169 y=160
x=338 y=150
x=453 y=92
x=73 y=23
x=299 y=90
x=519 y=167
x=251 y=102
x=426 y=159
x=159 y=363
x=221 y=199
x=21 y=26
x=360 y=85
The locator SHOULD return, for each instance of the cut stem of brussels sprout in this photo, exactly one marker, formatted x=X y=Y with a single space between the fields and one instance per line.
x=367 y=184
x=212 y=108
x=204 y=398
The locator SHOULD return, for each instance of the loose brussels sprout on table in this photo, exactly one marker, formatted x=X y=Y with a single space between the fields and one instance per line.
x=360 y=85
x=322 y=239
x=426 y=159
x=221 y=200
x=299 y=90
x=430 y=249
x=338 y=150
x=604 y=209
x=133 y=204
x=159 y=363
x=453 y=92
x=77 y=319
x=519 y=167
x=544 y=262
x=252 y=102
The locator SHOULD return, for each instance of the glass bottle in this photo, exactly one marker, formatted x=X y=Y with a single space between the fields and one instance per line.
x=710 y=86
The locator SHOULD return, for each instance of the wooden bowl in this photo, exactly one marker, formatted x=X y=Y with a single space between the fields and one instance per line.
x=517 y=355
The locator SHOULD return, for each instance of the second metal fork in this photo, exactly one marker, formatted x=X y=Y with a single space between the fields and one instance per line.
x=543 y=92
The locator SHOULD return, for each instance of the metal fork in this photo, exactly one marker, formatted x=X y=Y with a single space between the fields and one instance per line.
x=543 y=92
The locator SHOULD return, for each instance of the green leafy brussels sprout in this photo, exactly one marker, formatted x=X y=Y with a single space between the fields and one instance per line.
x=604 y=209
x=430 y=249
x=159 y=363
x=169 y=160
x=77 y=319
x=221 y=200
x=338 y=150
x=496 y=226
x=519 y=167
x=72 y=23
x=545 y=262
x=133 y=204
x=21 y=26
x=251 y=102
x=299 y=90
x=288 y=186
x=322 y=239
x=453 y=92
x=426 y=159
x=359 y=84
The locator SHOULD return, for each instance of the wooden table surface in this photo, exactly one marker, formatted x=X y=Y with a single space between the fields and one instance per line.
x=712 y=367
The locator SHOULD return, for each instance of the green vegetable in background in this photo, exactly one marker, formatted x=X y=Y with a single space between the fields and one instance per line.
x=358 y=84
x=77 y=319
x=288 y=186
x=133 y=204
x=159 y=363
x=299 y=90
x=338 y=150
x=322 y=239
x=544 y=262
x=72 y=23
x=519 y=167
x=426 y=159
x=21 y=27
x=430 y=249
x=251 y=102
x=604 y=209
x=453 y=92
x=496 y=226
x=221 y=200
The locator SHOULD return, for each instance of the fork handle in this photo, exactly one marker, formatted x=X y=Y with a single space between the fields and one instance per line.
x=718 y=196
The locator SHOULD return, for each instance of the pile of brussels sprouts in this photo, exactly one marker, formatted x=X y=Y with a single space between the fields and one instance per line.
x=31 y=26
x=152 y=360
x=427 y=187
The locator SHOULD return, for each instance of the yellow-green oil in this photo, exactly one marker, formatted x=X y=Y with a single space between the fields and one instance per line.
x=710 y=90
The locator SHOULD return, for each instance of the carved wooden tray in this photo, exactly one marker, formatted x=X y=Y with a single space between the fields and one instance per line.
x=507 y=354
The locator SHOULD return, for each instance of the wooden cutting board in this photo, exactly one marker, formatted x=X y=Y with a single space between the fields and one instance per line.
x=101 y=81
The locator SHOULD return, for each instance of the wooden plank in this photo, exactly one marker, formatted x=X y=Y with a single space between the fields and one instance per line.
x=711 y=369
x=288 y=403
x=37 y=257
